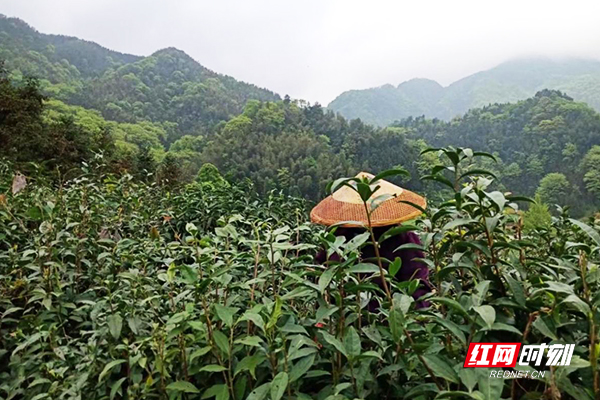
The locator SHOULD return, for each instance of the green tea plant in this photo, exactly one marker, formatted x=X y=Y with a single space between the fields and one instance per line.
x=113 y=288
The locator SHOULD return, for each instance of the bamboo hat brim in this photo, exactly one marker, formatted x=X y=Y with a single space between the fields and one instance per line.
x=346 y=205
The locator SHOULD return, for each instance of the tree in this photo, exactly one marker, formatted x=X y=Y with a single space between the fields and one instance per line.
x=591 y=169
x=21 y=128
x=554 y=188
x=145 y=165
x=188 y=143
x=210 y=175
x=28 y=135
x=169 y=171
x=284 y=180
x=570 y=153
x=538 y=216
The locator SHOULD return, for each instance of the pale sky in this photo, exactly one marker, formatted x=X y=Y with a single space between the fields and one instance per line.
x=316 y=49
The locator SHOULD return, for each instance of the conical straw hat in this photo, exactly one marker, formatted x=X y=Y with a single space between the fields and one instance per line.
x=346 y=205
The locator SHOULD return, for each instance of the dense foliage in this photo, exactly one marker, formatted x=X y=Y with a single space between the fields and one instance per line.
x=112 y=288
x=508 y=82
x=285 y=145
x=300 y=149
x=26 y=136
x=162 y=117
x=547 y=143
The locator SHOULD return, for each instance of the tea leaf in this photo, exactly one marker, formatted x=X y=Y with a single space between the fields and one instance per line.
x=115 y=324
x=325 y=278
x=226 y=314
x=219 y=392
x=334 y=342
x=249 y=363
x=260 y=392
x=352 y=343
x=108 y=367
x=278 y=385
x=441 y=368
x=213 y=368
x=487 y=313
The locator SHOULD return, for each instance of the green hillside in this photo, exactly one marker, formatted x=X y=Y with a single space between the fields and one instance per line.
x=166 y=86
x=508 y=82
x=532 y=139
x=162 y=117
x=55 y=58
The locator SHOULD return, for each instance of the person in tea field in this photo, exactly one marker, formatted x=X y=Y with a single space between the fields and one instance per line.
x=345 y=205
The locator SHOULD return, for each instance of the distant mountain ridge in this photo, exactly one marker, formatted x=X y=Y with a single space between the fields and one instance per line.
x=167 y=86
x=34 y=52
x=508 y=82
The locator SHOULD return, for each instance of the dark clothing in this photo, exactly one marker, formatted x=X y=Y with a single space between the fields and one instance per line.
x=410 y=269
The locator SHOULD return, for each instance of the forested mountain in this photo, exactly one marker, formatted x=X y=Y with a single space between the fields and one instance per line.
x=168 y=86
x=283 y=145
x=509 y=82
x=164 y=116
x=56 y=58
x=546 y=144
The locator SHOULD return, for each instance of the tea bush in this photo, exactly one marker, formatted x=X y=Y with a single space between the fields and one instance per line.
x=112 y=288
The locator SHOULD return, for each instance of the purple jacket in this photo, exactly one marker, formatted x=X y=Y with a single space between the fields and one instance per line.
x=410 y=267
